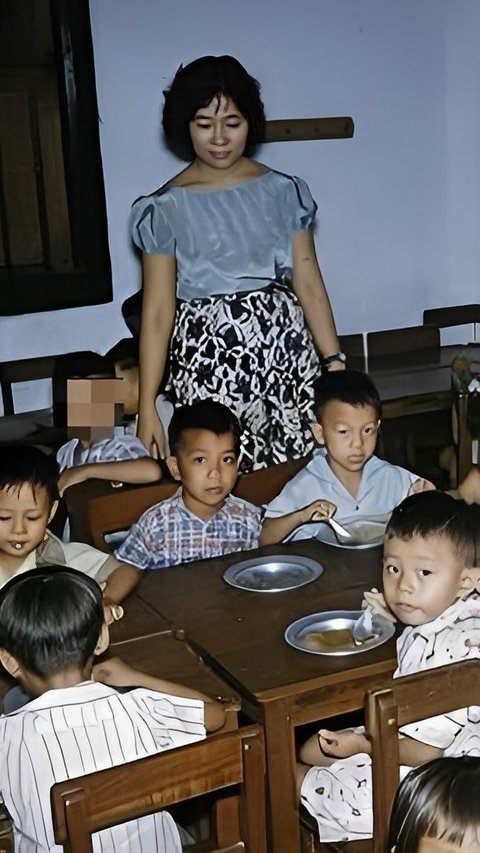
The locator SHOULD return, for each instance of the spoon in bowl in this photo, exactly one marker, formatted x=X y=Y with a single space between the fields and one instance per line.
x=340 y=532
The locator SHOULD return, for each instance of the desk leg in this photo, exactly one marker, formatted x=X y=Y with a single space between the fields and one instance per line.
x=284 y=828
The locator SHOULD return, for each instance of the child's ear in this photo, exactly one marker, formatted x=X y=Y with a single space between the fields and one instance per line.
x=10 y=663
x=173 y=467
x=103 y=641
x=52 y=511
x=317 y=430
x=469 y=580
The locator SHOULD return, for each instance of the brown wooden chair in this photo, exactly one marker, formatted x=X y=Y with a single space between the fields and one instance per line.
x=396 y=341
x=120 y=508
x=353 y=347
x=412 y=698
x=90 y=803
x=454 y=315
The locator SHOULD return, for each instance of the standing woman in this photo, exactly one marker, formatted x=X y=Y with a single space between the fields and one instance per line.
x=233 y=298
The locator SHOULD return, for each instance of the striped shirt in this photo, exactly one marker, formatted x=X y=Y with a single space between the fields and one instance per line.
x=168 y=534
x=77 y=730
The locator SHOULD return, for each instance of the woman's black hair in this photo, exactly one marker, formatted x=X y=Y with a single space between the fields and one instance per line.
x=25 y=464
x=51 y=618
x=195 y=85
x=437 y=514
x=204 y=414
x=436 y=800
x=345 y=386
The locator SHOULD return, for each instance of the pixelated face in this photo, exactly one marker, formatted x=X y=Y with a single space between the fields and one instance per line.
x=421 y=577
x=94 y=408
x=349 y=433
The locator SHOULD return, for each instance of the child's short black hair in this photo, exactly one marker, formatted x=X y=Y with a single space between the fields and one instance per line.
x=345 y=386
x=51 y=618
x=124 y=353
x=195 y=85
x=21 y=464
x=436 y=514
x=437 y=800
x=204 y=414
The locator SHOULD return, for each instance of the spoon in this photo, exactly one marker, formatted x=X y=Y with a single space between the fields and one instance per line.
x=338 y=529
x=362 y=629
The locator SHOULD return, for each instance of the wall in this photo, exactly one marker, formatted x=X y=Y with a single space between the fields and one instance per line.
x=398 y=204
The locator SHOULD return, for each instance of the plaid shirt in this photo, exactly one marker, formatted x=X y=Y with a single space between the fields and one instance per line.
x=168 y=533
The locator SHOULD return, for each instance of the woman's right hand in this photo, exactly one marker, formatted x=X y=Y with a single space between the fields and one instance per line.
x=151 y=433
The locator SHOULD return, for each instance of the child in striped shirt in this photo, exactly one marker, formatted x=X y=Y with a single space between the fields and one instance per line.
x=51 y=628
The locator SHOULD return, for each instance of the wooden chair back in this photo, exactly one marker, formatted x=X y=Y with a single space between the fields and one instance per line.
x=90 y=803
x=353 y=347
x=412 y=698
x=454 y=315
x=23 y=370
x=410 y=339
x=120 y=508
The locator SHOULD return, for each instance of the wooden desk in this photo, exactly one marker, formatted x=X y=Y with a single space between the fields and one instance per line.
x=139 y=621
x=240 y=635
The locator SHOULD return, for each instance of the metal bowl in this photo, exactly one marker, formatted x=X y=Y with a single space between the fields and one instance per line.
x=310 y=633
x=273 y=573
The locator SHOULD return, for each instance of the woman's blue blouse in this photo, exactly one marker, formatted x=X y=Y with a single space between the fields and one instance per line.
x=225 y=240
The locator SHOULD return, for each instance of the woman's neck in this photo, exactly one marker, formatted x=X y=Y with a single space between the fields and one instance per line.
x=202 y=174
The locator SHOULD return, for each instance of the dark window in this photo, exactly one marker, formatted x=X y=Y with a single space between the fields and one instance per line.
x=53 y=227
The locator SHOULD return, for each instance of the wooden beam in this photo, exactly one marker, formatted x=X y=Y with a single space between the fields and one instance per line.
x=299 y=129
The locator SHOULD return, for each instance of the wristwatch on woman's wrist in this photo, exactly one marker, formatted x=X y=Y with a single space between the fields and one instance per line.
x=337 y=356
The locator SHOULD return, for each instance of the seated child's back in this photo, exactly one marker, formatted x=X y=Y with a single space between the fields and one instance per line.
x=344 y=470
x=51 y=627
x=202 y=519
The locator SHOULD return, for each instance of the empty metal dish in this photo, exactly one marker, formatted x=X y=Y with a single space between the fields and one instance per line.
x=273 y=573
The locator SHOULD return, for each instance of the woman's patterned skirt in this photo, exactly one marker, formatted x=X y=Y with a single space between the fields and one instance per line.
x=253 y=352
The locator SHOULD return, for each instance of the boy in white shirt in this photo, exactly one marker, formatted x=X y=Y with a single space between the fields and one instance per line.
x=51 y=627
x=344 y=470
x=28 y=502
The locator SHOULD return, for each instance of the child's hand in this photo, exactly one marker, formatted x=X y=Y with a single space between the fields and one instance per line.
x=116 y=673
x=376 y=601
x=469 y=488
x=342 y=744
x=112 y=613
x=421 y=485
x=317 y=511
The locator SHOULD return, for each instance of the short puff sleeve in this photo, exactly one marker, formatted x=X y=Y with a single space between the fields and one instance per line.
x=303 y=206
x=151 y=231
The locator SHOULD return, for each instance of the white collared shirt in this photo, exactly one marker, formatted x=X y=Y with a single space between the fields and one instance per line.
x=382 y=487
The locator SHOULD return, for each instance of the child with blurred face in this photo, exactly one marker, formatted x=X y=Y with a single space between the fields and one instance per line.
x=429 y=586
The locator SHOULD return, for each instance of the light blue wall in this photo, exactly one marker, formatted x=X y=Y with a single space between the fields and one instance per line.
x=398 y=204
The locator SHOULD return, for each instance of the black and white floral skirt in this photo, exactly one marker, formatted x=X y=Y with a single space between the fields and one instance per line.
x=254 y=353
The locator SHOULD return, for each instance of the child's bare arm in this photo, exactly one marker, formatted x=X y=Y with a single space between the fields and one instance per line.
x=326 y=747
x=415 y=752
x=141 y=470
x=120 y=583
x=119 y=674
x=276 y=529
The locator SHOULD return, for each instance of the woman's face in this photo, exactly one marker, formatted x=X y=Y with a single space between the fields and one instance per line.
x=219 y=133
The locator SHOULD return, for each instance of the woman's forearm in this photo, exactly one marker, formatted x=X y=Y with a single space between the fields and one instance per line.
x=158 y=317
x=309 y=287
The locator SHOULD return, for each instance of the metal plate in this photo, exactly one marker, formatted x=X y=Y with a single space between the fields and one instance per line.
x=298 y=634
x=275 y=573
x=366 y=532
